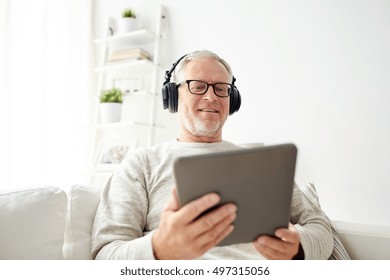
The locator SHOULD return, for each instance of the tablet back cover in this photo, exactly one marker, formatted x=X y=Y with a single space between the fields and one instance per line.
x=258 y=180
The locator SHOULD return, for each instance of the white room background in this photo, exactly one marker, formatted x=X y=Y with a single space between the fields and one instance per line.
x=315 y=73
x=45 y=69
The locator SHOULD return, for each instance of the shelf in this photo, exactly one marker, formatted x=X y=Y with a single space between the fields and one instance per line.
x=133 y=38
x=139 y=114
x=143 y=93
x=126 y=124
x=125 y=69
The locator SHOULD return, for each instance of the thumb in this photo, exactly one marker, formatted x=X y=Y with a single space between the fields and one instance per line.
x=173 y=203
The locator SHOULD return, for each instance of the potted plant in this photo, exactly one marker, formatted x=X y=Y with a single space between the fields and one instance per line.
x=111 y=105
x=128 y=22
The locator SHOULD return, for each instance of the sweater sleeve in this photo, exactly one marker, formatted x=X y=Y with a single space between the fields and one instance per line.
x=119 y=225
x=313 y=226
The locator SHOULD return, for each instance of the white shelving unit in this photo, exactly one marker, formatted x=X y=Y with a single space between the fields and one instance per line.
x=139 y=110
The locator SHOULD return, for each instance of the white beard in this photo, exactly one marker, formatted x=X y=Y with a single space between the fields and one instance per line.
x=202 y=128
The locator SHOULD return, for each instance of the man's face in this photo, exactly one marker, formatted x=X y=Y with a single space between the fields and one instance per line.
x=203 y=116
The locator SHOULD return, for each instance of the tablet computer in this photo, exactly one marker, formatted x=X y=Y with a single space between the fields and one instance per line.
x=258 y=180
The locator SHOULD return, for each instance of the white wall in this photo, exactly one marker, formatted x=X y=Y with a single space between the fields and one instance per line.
x=315 y=73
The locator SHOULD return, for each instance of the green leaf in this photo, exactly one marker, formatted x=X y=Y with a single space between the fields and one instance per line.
x=128 y=12
x=111 y=95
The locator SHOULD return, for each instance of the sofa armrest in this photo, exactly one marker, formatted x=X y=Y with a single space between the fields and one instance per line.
x=364 y=241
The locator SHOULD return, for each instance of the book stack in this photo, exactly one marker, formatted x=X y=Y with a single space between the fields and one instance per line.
x=128 y=54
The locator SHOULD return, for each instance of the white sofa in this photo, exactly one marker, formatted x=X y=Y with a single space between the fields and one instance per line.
x=51 y=223
x=47 y=222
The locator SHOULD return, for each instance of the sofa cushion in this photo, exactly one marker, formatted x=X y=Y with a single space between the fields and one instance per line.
x=32 y=223
x=82 y=206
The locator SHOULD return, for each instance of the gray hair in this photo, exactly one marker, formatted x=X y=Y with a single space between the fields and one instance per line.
x=178 y=75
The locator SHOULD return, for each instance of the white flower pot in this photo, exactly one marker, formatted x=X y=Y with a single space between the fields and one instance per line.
x=127 y=24
x=110 y=112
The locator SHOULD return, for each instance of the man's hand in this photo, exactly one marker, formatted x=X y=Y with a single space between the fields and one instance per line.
x=284 y=248
x=181 y=236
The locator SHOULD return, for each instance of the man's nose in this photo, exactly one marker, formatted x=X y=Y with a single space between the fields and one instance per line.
x=210 y=95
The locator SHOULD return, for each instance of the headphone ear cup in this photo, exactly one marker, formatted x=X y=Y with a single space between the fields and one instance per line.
x=169 y=90
x=172 y=96
x=165 y=95
x=235 y=100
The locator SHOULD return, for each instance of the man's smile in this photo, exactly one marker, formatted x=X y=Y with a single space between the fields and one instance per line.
x=208 y=110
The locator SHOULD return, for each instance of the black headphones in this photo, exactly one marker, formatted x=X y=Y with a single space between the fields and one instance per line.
x=170 y=94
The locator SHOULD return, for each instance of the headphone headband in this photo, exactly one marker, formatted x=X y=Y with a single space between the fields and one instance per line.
x=168 y=73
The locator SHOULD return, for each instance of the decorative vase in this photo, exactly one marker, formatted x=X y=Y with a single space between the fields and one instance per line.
x=110 y=112
x=127 y=24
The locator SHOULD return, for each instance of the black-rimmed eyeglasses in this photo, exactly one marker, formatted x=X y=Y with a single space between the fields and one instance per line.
x=199 y=87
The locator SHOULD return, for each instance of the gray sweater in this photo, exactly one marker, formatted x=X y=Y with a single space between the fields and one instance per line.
x=134 y=197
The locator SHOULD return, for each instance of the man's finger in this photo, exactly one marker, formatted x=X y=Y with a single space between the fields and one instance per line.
x=218 y=232
x=288 y=235
x=196 y=207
